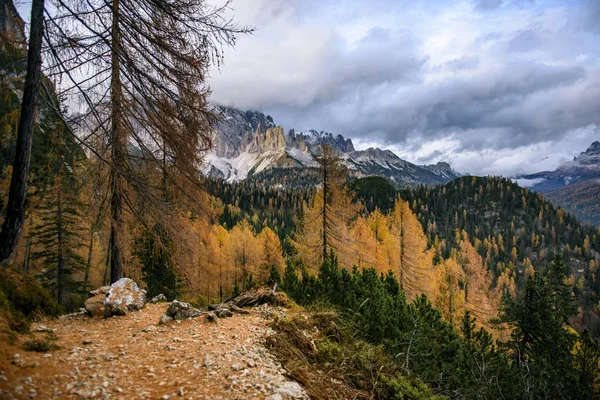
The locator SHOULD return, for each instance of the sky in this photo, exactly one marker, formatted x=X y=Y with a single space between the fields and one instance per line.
x=491 y=86
x=503 y=87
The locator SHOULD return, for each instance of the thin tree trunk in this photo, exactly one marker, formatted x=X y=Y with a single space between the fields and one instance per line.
x=106 y=265
x=89 y=262
x=118 y=149
x=60 y=268
x=402 y=250
x=15 y=208
x=28 y=247
x=325 y=194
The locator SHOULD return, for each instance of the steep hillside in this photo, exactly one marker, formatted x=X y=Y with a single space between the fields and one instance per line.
x=250 y=145
x=514 y=229
x=582 y=199
x=573 y=185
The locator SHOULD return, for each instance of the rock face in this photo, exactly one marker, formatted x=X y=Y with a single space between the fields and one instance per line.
x=249 y=143
x=180 y=310
x=124 y=296
x=95 y=305
x=120 y=298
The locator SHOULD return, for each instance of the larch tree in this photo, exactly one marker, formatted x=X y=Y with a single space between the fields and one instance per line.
x=325 y=222
x=448 y=296
x=363 y=244
x=480 y=299
x=411 y=260
x=138 y=69
x=382 y=240
x=272 y=252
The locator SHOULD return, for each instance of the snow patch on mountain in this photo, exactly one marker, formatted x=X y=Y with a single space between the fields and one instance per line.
x=248 y=143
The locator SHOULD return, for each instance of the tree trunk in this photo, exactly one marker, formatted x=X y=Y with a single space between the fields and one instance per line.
x=106 y=266
x=60 y=264
x=28 y=247
x=325 y=194
x=15 y=208
x=118 y=149
x=89 y=262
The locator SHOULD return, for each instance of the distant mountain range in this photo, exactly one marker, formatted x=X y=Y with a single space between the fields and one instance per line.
x=248 y=143
x=574 y=185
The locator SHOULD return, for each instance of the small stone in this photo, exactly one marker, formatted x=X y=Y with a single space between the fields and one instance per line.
x=164 y=319
x=180 y=392
x=290 y=390
x=223 y=313
x=48 y=355
x=211 y=317
x=149 y=328
x=159 y=298
x=236 y=367
x=87 y=342
x=207 y=362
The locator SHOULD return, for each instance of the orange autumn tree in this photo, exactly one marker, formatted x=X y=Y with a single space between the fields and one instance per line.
x=325 y=222
x=479 y=297
x=411 y=261
x=448 y=297
x=363 y=243
x=272 y=253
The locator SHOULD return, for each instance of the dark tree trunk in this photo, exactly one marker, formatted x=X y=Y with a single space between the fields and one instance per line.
x=28 y=247
x=118 y=149
x=15 y=209
x=60 y=267
x=88 y=266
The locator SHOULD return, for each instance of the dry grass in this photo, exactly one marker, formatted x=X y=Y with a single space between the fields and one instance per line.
x=319 y=352
x=299 y=345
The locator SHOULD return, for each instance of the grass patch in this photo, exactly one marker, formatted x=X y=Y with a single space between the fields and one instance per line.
x=41 y=345
x=22 y=299
x=321 y=354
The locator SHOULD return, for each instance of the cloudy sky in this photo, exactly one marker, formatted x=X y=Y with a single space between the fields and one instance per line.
x=491 y=86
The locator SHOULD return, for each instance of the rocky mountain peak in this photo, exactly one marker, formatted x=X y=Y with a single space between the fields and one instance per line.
x=594 y=149
x=248 y=142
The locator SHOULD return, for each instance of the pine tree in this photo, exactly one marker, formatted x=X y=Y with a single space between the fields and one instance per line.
x=154 y=250
x=58 y=235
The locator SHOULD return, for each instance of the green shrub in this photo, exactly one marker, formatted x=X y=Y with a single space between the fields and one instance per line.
x=42 y=345
x=22 y=299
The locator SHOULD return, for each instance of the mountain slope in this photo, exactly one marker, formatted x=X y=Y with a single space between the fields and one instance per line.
x=513 y=229
x=582 y=199
x=250 y=144
x=574 y=185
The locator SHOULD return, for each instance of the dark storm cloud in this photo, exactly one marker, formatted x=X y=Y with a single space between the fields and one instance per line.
x=483 y=76
x=497 y=102
x=525 y=40
x=487 y=5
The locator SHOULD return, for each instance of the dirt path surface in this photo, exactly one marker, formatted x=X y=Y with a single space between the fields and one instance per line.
x=130 y=357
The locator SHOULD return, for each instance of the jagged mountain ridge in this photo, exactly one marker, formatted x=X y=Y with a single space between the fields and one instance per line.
x=573 y=185
x=583 y=167
x=248 y=143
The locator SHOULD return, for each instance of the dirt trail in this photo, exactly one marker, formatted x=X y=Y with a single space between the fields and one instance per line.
x=131 y=357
